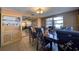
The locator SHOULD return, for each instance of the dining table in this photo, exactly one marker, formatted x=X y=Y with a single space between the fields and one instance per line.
x=53 y=41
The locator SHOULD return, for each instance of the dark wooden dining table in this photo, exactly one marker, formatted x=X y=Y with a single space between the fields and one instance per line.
x=52 y=40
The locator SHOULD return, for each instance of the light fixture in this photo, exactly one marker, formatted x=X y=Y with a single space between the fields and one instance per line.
x=23 y=24
x=39 y=11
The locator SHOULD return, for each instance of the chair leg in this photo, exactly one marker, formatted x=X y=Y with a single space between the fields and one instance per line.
x=37 y=44
x=51 y=46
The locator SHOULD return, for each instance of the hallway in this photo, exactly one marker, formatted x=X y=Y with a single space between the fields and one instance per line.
x=22 y=45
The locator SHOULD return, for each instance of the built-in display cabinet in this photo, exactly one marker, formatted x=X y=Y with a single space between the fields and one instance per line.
x=11 y=29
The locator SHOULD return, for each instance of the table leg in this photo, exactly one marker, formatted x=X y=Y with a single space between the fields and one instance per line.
x=51 y=46
x=37 y=44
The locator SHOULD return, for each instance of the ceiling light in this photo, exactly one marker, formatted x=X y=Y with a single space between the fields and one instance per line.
x=39 y=11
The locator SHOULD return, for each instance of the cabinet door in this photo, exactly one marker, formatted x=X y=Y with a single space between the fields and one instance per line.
x=7 y=37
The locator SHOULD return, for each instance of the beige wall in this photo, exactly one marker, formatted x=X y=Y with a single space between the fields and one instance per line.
x=77 y=22
x=70 y=19
x=39 y=22
x=43 y=21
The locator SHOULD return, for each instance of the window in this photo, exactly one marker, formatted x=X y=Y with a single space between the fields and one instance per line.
x=49 y=22
x=58 y=22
